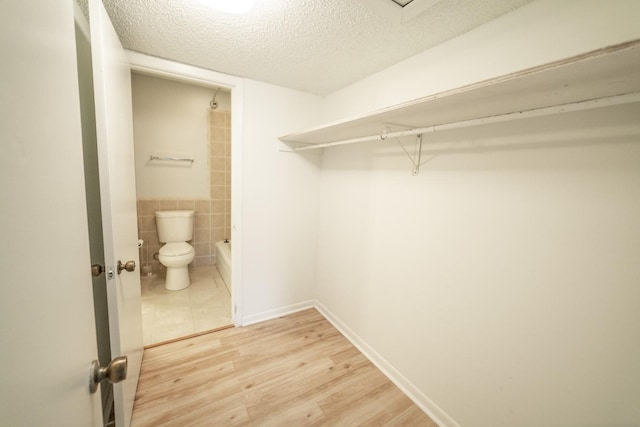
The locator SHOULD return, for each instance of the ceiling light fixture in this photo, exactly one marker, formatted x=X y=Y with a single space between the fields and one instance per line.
x=230 y=6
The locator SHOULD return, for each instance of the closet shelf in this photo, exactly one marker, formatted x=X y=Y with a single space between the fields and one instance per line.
x=604 y=77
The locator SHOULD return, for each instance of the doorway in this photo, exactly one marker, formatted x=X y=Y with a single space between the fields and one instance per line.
x=211 y=302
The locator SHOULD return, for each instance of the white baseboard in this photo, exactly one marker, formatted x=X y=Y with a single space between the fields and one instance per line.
x=418 y=397
x=277 y=312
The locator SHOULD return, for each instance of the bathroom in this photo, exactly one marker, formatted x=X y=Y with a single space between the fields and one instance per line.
x=179 y=120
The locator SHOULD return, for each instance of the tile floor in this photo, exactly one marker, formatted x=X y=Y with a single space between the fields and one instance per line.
x=204 y=305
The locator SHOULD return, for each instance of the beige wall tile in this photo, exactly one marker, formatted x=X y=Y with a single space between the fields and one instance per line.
x=203 y=206
x=219 y=119
x=202 y=221
x=217 y=178
x=217 y=164
x=202 y=235
x=218 y=206
x=168 y=204
x=217 y=192
x=203 y=249
x=186 y=204
x=150 y=237
x=217 y=220
x=217 y=149
x=156 y=267
x=153 y=249
x=146 y=223
x=217 y=234
x=148 y=207
x=218 y=134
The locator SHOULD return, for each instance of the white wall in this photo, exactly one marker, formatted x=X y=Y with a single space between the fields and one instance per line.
x=170 y=118
x=540 y=32
x=279 y=200
x=502 y=282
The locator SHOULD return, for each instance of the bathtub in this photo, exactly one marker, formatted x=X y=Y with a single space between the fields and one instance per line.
x=223 y=261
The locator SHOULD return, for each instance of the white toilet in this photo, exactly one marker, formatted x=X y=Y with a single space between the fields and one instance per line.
x=174 y=229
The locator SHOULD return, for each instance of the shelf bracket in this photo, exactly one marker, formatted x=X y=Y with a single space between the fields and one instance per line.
x=416 y=158
x=416 y=164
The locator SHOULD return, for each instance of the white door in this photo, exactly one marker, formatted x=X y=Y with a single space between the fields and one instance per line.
x=114 y=129
x=47 y=330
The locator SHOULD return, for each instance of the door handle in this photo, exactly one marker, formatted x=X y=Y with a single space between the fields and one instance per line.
x=114 y=372
x=129 y=266
x=96 y=270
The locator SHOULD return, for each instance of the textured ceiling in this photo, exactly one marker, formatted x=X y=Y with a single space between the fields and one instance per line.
x=316 y=46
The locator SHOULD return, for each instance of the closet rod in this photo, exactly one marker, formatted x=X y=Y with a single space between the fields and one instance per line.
x=536 y=112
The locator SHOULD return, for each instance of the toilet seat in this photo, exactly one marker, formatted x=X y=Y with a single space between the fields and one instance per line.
x=176 y=249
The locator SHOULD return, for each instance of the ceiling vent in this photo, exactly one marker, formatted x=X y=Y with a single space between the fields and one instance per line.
x=402 y=3
x=400 y=10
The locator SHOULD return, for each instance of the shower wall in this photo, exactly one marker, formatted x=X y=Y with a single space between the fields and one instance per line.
x=173 y=118
x=220 y=166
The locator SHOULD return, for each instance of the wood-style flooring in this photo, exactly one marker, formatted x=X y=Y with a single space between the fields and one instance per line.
x=297 y=370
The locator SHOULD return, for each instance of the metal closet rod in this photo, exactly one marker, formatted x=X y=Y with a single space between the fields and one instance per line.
x=536 y=112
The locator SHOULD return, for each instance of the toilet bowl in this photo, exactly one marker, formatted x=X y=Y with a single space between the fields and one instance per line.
x=174 y=229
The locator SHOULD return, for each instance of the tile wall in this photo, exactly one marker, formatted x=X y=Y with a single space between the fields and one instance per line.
x=212 y=220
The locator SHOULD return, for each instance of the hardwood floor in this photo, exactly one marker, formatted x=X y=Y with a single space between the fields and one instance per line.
x=296 y=370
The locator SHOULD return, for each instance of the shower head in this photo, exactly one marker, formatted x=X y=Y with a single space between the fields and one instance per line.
x=213 y=103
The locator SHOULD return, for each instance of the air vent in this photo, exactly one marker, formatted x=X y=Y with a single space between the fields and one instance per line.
x=402 y=3
x=400 y=10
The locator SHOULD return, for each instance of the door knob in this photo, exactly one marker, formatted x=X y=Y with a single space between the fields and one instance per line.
x=129 y=266
x=96 y=270
x=114 y=372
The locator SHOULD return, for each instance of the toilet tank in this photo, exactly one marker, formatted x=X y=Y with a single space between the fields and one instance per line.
x=174 y=226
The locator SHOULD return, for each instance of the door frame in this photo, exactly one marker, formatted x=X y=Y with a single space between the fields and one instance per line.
x=176 y=71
